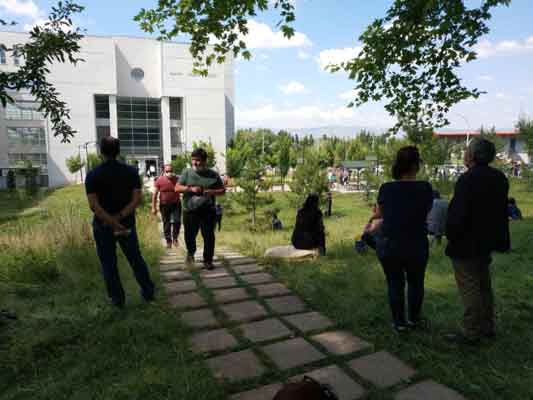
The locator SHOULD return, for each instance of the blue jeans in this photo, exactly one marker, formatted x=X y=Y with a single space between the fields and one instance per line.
x=106 y=249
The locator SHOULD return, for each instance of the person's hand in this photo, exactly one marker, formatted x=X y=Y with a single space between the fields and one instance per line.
x=154 y=211
x=197 y=189
x=115 y=223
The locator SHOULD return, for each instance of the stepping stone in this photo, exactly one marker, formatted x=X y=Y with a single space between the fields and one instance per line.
x=343 y=386
x=255 y=279
x=189 y=300
x=232 y=255
x=229 y=295
x=236 y=366
x=180 y=287
x=307 y=322
x=216 y=283
x=262 y=393
x=247 y=269
x=172 y=266
x=216 y=273
x=286 y=304
x=245 y=311
x=265 y=330
x=382 y=369
x=176 y=276
x=341 y=342
x=216 y=340
x=199 y=318
x=292 y=353
x=169 y=260
x=428 y=390
x=271 y=289
x=242 y=261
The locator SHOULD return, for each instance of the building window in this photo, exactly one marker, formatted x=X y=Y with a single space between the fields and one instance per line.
x=175 y=108
x=23 y=110
x=139 y=125
x=175 y=137
x=512 y=145
x=2 y=54
x=101 y=132
x=16 y=60
x=101 y=106
x=26 y=139
x=36 y=159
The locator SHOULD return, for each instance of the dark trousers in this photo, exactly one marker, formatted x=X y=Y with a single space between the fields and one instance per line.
x=398 y=270
x=171 y=216
x=474 y=283
x=106 y=249
x=205 y=221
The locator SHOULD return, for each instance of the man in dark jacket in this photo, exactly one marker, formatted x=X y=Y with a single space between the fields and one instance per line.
x=477 y=226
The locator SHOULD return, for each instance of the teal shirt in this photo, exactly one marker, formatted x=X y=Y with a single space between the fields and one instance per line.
x=207 y=179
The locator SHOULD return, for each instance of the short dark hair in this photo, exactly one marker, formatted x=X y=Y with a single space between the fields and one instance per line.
x=512 y=201
x=110 y=147
x=199 y=153
x=407 y=158
x=482 y=151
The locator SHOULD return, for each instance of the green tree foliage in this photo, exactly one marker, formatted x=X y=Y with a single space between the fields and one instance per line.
x=525 y=131
x=490 y=134
x=409 y=59
x=309 y=177
x=93 y=161
x=74 y=163
x=236 y=157
x=208 y=147
x=252 y=181
x=55 y=41
x=284 y=156
x=180 y=162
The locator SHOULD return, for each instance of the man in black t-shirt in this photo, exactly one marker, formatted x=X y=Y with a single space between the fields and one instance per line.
x=114 y=192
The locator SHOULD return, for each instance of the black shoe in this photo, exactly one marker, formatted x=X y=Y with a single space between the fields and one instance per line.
x=460 y=339
x=420 y=323
x=189 y=259
x=399 y=328
x=208 y=265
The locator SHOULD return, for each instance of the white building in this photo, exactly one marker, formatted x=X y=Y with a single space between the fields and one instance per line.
x=140 y=90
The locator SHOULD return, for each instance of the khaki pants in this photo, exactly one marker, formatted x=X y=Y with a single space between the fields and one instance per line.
x=474 y=283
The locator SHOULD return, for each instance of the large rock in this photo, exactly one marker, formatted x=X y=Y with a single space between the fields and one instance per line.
x=291 y=253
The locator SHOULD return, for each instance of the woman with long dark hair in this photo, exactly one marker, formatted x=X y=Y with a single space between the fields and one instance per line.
x=403 y=248
x=309 y=228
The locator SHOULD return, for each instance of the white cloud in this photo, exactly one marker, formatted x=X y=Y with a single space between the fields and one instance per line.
x=303 y=55
x=349 y=95
x=24 y=8
x=262 y=68
x=486 y=48
x=500 y=95
x=261 y=36
x=293 y=87
x=487 y=78
x=337 y=56
x=37 y=22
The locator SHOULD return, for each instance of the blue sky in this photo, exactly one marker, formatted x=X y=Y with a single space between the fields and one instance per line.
x=284 y=85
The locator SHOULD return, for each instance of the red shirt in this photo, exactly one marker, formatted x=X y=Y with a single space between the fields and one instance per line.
x=167 y=192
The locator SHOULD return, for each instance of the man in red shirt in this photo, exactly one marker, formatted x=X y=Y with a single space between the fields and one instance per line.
x=169 y=205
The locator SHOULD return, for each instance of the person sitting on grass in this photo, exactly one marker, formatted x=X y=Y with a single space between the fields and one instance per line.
x=309 y=232
x=513 y=210
x=276 y=223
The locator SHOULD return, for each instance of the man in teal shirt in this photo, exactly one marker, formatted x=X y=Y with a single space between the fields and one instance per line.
x=200 y=185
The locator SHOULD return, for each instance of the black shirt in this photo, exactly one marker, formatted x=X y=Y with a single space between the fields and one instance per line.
x=113 y=182
x=405 y=206
x=309 y=229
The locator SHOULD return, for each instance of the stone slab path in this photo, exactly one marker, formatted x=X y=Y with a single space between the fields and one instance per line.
x=255 y=334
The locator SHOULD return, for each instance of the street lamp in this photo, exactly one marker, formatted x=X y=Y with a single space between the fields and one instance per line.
x=469 y=128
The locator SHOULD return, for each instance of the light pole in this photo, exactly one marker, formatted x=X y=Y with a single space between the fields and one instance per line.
x=469 y=128
x=87 y=155
x=81 y=166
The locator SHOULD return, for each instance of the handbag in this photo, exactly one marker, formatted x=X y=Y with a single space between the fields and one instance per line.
x=199 y=203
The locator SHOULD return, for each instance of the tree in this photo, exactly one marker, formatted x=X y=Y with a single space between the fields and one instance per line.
x=236 y=160
x=309 y=177
x=284 y=156
x=75 y=164
x=409 y=58
x=180 y=162
x=208 y=147
x=490 y=134
x=525 y=131
x=252 y=181
x=93 y=161
x=55 y=41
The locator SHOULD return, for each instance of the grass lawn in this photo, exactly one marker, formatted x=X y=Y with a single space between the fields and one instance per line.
x=350 y=289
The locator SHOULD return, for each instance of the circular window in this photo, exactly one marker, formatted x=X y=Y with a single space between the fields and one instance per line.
x=137 y=74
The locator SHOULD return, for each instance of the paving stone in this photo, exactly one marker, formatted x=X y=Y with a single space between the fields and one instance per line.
x=217 y=283
x=262 y=393
x=265 y=330
x=255 y=279
x=232 y=255
x=247 y=268
x=216 y=273
x=188 y=300
x=241 y=261
x=236 y=366
x=216 y=340
x=341 y=342
x=244 y=311
x=382 y=369
x=428 y=390
x=271 y=289
x=307 y=322
x=176 y=276
x=228 y=295
x=286 y=304
x=203 y=318
x=176 y=266
x=169 y=260
x=292 y=353
x=343 y=386
x=180 y=287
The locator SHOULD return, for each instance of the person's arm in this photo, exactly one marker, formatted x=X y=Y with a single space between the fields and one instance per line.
x=136 y=199
x=154 y=198
x=458 y=211
x=102 y=214
x=218 y=190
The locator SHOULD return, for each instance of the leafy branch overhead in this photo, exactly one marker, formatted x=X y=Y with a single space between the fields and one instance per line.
x=409 y=59
x=55 y=41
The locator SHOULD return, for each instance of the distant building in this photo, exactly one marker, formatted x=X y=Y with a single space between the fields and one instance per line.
x=140 y=90
x=514 y=147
